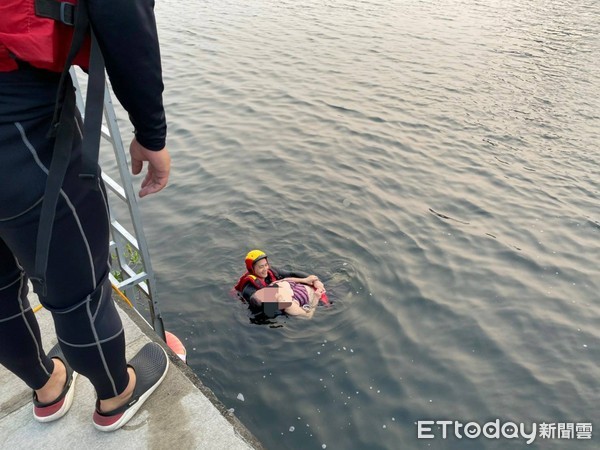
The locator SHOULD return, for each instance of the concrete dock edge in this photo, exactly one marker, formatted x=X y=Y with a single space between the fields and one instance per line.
x=181 y=414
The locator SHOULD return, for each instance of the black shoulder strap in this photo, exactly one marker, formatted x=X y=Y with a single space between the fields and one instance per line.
x=63 y=126
x=94 y=107
x=58 y=167
x=77 y=16
x=81 y=24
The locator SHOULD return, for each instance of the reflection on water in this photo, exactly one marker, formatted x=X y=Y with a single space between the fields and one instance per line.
x=435 y=163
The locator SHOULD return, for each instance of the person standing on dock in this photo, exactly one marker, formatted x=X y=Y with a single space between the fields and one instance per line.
x=54 y=224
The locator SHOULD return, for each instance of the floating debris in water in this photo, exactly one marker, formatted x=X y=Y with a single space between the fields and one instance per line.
x=584 y=345
x=240 y=397
x=323 y=446
x=393 y=419
x=230 y=410
x=292 y=428
x=384 y=426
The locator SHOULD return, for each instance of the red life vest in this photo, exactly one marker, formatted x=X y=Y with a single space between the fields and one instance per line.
x=256 y=282
x=40 y=41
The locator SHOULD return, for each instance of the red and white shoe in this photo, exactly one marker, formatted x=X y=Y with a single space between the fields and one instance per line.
x=47 y=412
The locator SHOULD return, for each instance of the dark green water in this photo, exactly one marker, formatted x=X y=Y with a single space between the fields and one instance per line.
x=436 y=163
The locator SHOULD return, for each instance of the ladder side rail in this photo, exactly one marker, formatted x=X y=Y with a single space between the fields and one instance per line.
x=117 y=245
x=120 y=249
x=144 y=281
x=136 y=217
x=78 y=94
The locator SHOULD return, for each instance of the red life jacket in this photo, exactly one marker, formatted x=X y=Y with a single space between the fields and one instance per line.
x=256 y=282
x=40 y=41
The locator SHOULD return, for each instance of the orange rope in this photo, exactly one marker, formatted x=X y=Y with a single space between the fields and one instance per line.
x=123 y=296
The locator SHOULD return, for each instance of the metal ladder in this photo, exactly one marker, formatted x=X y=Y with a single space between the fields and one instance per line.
x=122 y=240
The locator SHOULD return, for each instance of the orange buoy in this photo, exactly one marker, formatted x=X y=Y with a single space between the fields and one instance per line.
x=176 y=345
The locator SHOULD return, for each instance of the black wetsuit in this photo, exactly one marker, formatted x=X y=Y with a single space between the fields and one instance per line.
x=249 y=289
x=78 y=290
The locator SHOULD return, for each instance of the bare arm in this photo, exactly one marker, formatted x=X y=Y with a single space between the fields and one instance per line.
x=311 y=280
x=296 y=310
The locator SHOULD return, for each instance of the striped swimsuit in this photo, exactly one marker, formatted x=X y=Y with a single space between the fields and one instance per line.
x=299 y=293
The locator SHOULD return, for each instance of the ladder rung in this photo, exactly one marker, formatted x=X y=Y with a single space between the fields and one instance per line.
x=114 y=186
x=138 y=280
x=124 y=233
x=142 y=285
x=106 y=134
x=132 y=273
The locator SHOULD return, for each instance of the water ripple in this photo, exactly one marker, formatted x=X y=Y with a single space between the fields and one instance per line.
x=434 y=162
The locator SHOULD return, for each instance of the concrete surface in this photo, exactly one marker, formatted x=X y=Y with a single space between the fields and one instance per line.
x=181 y=414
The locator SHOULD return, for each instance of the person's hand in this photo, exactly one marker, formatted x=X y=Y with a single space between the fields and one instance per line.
x=319 y=287
x=159 y=166
x=310 y=280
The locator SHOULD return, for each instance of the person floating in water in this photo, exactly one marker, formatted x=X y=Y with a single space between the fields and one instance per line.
x=294 y=296
x=295 y=292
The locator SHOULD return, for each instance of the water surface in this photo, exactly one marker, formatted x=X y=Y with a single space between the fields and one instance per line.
x=436 y=163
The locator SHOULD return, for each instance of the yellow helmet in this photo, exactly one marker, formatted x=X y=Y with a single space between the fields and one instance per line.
x=252 y=257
